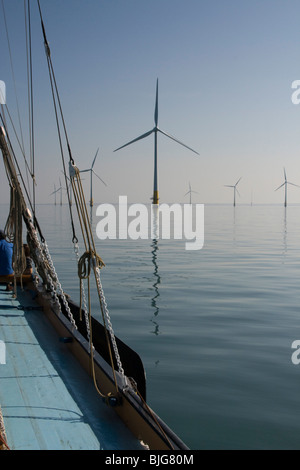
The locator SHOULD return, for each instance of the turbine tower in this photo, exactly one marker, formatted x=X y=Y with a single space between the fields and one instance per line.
x=60 y=189
x=234 y=189
x=54 y=192
x=285 y=187
x=155 y=130
x=93 y=172
x=190 y=193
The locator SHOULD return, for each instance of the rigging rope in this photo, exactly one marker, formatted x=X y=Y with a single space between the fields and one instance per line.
x=3 y=439
x=21 y=139
x=13 y=228
x=89 y=261
x=14 y=221
x=8 y=149
x=39 y=250
x=13 y=74
x=30 y=95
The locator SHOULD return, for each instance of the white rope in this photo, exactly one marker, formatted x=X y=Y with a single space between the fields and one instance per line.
x=59 y=287
x=108 y=320
x=45 y=262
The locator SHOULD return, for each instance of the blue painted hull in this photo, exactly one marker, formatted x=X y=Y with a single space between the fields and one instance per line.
x=50 y=402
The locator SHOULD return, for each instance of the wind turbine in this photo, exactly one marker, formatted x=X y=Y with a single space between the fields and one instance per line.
x=54 y=192
x=234 y=189
x=190 y=193
x=155 y=130
x=285 y=189
x=92 y=171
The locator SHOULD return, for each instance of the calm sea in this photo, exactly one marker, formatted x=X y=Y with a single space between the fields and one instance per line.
x=213 y=327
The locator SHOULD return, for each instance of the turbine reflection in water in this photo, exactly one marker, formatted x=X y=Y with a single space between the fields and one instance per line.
x=154 y=246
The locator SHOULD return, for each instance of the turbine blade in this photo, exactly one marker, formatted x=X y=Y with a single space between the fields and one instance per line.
x=135 y=140
x=95 y=158
x=178 y=141
x=293 y=184
x=238 y=181
x=228 y=185
x=84 y=171
x=65 y=175
x=280 y=186
x=284 y=173
x=187 y=193
x=156 y=105
x=99 y=178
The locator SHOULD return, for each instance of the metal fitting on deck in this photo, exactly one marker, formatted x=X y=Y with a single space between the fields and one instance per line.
x=113 y=400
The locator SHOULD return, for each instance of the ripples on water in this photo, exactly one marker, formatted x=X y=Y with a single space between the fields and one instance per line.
x=213 y=327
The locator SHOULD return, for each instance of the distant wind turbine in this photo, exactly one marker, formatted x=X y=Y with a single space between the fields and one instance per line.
x=285 y=189
x=190 y=193
x=234 y=189
x=155 y=130
x=56 y=191
x=92 y=171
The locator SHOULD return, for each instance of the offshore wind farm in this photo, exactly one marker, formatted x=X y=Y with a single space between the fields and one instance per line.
x=215 y=326
x=188 y=193
x=244 y=125
x=155 y=198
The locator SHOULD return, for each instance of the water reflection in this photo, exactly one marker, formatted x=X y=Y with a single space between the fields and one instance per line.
x=284 y=230
x=156 y=283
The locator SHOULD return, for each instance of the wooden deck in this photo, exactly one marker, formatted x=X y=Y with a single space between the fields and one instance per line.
x=48 y=402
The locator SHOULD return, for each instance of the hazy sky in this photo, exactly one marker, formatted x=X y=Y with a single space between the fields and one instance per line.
x=225 y=71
